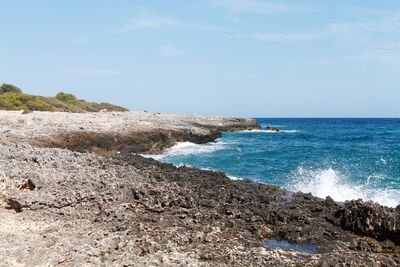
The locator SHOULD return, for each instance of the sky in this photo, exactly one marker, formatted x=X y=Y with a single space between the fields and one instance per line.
x=250 y=58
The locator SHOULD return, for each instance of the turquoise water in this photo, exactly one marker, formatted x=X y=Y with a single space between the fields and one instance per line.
x=283 y=244
x=343 y=158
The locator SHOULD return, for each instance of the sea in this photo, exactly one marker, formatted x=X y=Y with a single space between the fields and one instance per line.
x=341 y=158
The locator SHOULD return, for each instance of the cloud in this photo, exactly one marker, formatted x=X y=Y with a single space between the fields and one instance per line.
x=379 y=55
x=385 y=53
x=170 y=51
x=280 y=37
x=89 y=72
x=149 y=21
x=288 y=37
x=257 y=6
x=79 y=40
x=323 y=62
x=364 y=31
x=385 y=25
x=359 y=32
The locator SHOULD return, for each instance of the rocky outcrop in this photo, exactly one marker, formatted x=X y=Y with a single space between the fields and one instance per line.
x=154 y=141
x=273 y=129
x=62 y=207
x=109 y=132
x=71 y=209
x=371 y=219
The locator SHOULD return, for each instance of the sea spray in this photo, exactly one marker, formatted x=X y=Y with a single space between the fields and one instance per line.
x=328 y=182
x=188 y=148
x=343 y=158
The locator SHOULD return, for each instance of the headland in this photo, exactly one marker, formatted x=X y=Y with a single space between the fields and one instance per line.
x=73 y=192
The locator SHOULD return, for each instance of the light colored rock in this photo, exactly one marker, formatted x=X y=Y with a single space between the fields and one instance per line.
x=18 y=127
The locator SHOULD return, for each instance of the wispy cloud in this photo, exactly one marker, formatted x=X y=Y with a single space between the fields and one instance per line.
x=288 y=37
x=170 y=51
x=359 y=32
x=364 y=31
x=258 y=6
x=386 y=52
x=89 y=72
x=149 y=21
x=323 y=62
x=78 y=40
x=280 y=37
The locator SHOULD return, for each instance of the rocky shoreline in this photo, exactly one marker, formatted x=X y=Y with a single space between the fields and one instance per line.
x=109 y=132
x=66 y=207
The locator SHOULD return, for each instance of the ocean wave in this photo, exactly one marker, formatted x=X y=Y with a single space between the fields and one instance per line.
x=268 y=131
x=234 y=177
x=184 y=165
x=290 y=131
x=333 y=183
x=189 y=148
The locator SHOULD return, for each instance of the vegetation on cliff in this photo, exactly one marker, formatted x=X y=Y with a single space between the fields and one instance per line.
x=12 y=98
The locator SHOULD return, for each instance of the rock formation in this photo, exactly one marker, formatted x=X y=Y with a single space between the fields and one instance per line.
x=273 y=129
x=65 y=208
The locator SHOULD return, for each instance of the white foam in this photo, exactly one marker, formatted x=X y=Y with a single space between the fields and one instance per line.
x=269 y=131
x=234 y=177
x=189 y=148
x=328 y=182
x=290 y=131
x=184 y=165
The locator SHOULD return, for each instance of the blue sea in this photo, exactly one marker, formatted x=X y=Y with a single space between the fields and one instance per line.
x=343 y=158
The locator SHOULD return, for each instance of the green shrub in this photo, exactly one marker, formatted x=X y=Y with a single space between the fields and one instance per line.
x=66 y=97
x=62 y=102
x=9 y=88
x=38 y=105
x=12 y=101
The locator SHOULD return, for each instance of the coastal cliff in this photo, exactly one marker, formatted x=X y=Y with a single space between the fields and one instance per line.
x=61 y=206
x=109 y=132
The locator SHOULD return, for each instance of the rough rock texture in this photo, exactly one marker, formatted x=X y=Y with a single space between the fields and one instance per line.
x=63 y=208
x=371 y=219
x=273 y=129
x=109 y=132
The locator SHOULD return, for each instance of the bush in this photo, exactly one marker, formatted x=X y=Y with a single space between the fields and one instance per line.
x=66 y=97
x=9 y=88
x=13 y=101
x=38 y=105
x=62 y=102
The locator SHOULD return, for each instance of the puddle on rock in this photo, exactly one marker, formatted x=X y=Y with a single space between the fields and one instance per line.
x=286 y=199
x=306 y=248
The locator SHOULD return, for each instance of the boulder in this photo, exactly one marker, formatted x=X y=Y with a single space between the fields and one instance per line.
x=273 y=129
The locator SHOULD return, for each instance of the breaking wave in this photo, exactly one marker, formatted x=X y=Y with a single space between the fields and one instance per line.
x=189 y=148
x=234 y=177
x=267 y=131
x=329 y=182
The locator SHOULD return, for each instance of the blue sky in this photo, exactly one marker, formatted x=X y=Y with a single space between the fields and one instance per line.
x=256 y=58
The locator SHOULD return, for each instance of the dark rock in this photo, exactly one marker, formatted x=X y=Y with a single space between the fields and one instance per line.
x=27 y=185
x=14 y=204
x=370 y=219
x=273 y=129
x=125 y=209
x=388 y=244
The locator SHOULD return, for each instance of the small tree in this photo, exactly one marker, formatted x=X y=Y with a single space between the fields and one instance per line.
x=5 y=88
x=66 y=97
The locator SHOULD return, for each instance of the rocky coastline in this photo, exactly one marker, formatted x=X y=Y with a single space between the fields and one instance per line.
x=62 y=205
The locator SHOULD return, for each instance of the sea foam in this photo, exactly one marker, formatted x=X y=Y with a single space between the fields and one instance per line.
x=268 y=131
x=333 y=183
x=189 y=148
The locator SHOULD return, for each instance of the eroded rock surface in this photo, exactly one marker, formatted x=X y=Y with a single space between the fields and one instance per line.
x=63 y=208
x=109 y=132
